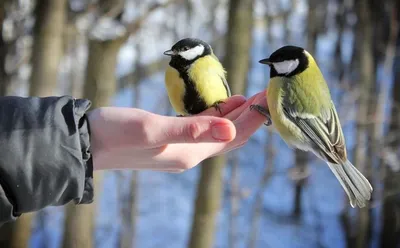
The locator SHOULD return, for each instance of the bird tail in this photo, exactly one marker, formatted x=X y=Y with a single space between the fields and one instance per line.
x=357 y=187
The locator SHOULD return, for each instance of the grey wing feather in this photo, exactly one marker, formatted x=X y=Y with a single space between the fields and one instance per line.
x=323 y=131
x=228 y=90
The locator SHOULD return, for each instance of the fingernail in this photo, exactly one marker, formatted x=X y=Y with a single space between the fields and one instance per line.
x=221 y=132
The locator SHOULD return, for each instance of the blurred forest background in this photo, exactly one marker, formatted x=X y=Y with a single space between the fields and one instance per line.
x=262 y=195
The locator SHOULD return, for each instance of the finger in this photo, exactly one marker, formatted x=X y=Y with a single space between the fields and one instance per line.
x=194 y=129
x=233 y=115
x=245 y=120
x=230 y=104
x=249 y=120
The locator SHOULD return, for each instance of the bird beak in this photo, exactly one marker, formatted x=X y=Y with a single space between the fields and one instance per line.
x=265 y=61
x=169 y=53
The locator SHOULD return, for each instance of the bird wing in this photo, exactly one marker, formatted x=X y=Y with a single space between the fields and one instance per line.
x=223 y=78
x=324 y=132
x=226 y=85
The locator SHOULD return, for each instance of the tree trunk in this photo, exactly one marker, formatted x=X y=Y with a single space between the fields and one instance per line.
x=301 y=157
x=269 y=152
x=100 y=87
x=47 y=47
x=301 y=160
x=208 y=202
x=234 y=197
x=238 y=44
x=47 y=52
x=312 y=26
x=4 y=77
x=236 y=62
x=390 y=234
x=367 y=75
x=340 y=20
x=16 y=234
x=129 y=214
x=129 y=208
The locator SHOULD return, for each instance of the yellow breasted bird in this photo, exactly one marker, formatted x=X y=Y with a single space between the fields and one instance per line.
x=301 y=109
x=195 y=79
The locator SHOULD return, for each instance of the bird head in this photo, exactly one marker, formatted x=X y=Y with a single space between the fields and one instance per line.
x=287 y=61
x=186 y=51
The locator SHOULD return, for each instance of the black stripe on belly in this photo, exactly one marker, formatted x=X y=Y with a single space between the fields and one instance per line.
x=192 y=100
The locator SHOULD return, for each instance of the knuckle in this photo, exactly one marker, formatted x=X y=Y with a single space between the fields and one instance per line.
x=192 y=132
x=146 y=130
x=142 y=125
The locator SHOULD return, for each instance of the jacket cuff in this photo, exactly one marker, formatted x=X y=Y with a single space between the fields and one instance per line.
x=81 y=106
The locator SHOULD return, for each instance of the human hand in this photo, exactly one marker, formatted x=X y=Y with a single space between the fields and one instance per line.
x=130 y=138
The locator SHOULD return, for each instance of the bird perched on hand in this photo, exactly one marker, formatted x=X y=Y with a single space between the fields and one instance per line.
x=301 y=109
x=195 y=79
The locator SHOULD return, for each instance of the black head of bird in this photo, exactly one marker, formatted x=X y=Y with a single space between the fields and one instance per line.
x=186 y=51
x=287 y=61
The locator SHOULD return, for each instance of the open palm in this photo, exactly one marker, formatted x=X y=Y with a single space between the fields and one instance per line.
x=130 y=138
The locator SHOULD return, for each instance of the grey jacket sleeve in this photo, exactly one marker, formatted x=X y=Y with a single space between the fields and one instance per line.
x=44 y=154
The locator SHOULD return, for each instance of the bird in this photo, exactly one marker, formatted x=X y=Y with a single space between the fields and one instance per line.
x=195 y=79
x=305 y=117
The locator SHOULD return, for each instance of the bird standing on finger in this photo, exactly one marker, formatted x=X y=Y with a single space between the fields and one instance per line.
x=304 y=115
x=195 y=79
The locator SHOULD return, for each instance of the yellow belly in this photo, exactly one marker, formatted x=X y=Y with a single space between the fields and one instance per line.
x=289 y=132
x=175 y=89
x=206 y=74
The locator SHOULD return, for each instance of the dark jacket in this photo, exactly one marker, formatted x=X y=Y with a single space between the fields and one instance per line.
x=44 y=154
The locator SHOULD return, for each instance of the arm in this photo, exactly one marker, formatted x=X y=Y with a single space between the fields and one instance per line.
x=44 y=145
x=44 y=154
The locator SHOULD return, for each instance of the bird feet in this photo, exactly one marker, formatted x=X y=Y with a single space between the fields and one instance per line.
x=216 y=105
x=263 y=111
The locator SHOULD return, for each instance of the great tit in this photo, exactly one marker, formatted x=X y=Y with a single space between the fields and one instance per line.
x=195 y=79
x=301 y=109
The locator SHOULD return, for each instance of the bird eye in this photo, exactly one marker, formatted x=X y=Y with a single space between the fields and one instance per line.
x=185 y=48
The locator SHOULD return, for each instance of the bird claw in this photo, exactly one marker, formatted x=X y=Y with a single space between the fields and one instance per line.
x=263 y=111
x=217 y=107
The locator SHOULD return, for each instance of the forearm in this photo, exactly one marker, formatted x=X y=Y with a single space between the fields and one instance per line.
x=44 y=154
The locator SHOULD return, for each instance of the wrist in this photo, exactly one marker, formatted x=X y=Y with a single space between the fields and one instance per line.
x=83 y=129
x=91 y=117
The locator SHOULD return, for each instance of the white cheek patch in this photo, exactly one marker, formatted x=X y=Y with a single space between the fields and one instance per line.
x=192 y=53
x=286 y=67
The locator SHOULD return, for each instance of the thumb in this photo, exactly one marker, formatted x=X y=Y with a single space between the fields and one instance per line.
x=193 y=129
